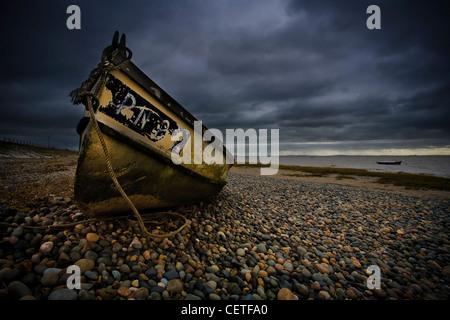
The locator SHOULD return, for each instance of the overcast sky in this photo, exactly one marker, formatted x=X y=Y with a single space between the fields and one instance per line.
x=311 y=69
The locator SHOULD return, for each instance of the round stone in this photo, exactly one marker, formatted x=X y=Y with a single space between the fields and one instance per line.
x=46 y=247
x=286 y=294
x=49 y=280
x=18 y=289
x=92 y=237
x=63 y=294
x=85 y=265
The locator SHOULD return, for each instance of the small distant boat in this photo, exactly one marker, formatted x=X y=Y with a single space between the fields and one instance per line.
x=137 y=119
x=390 y=162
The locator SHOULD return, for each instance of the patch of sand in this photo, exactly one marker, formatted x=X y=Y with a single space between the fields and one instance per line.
x=358 y=181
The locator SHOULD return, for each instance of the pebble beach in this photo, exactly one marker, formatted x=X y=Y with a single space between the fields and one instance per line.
x=261 y=238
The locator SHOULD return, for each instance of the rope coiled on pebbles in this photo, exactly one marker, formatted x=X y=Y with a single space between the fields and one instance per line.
x=67 y=225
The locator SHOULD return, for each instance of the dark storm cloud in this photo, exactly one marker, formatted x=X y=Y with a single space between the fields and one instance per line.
x=310 y=68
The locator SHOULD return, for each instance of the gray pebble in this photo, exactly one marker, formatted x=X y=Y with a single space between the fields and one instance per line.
x=49 y=279
x=63 y=294
x=18 y=290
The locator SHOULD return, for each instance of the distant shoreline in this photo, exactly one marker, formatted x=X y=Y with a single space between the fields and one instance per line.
x=429 y=165
x=418 y=184
x=366 y=155
x=411 y=183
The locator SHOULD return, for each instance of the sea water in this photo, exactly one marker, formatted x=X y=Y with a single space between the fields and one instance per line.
x=434 y=165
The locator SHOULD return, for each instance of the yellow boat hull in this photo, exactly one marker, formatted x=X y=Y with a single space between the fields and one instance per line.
x=149 y=181
x=138 y=121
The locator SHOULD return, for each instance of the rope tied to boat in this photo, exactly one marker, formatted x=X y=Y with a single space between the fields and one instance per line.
x=84 y=95
x=103 y=68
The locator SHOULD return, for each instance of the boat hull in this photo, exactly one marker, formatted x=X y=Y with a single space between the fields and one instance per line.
x=149 y=181
x=389 y=162
x=141 y=126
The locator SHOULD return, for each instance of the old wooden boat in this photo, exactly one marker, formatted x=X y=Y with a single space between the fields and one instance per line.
x=390 y=162
x=137 y=120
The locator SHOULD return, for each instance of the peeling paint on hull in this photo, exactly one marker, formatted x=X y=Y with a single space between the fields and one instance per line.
x=136 y=127
x=148 y=181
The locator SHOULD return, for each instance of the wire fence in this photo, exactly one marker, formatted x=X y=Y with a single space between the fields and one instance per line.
x=29 y=143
